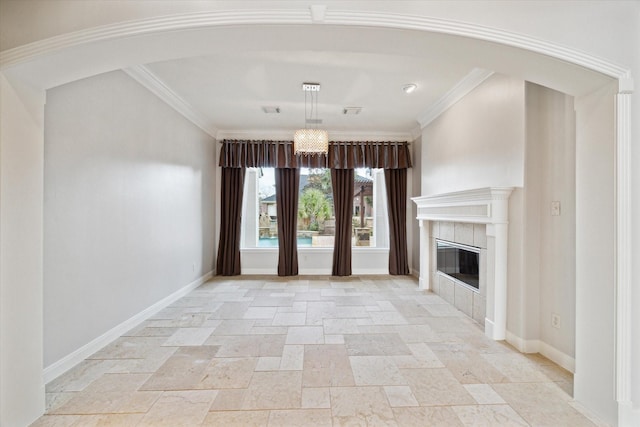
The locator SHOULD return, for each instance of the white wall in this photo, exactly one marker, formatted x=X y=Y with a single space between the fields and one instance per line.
x=128 y=207
x=550 y=128
x=542 y=246
x=21 y=385
x=479 y=142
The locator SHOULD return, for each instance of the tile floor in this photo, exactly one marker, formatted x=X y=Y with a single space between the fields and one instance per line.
x=312 y=351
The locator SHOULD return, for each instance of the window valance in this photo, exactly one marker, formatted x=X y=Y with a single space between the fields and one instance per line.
x=341 y=155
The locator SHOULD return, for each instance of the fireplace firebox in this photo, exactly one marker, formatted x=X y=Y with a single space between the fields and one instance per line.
x=459 y=262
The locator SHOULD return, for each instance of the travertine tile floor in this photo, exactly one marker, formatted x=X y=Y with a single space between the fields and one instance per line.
x=311 y=351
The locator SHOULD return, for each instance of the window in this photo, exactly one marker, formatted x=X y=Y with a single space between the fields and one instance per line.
x=316 y=221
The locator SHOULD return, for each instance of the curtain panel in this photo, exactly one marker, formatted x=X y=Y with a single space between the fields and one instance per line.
x=287 y=181
x=342 y=180
x=396 y=182
x=232 y=186
x=341 y=155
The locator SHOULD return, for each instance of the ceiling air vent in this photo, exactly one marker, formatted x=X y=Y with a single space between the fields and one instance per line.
x=351 y=110
x=270 y=109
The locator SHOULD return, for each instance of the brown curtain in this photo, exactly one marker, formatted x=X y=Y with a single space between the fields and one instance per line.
x=287 y=181
x=341 y=155
x=396 y=182
x=342 y=180
x=232 y=186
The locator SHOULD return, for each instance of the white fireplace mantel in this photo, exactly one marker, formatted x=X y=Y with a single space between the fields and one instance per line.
x=488 y=206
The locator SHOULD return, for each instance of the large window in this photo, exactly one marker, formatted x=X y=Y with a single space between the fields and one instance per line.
x=316 y=221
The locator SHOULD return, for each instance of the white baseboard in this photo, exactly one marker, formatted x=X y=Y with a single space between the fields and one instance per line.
x=627 y=415
x=58 y=368
x=415 y=273
x=537 y=346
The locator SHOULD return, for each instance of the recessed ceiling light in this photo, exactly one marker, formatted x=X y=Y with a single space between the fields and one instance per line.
x=351 y=110
x=410 y=87
x=269 y=109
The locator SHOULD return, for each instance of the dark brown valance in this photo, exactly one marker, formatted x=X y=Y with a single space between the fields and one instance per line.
x=342 y=155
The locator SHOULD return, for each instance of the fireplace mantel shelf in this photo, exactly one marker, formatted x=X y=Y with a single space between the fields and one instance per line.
x=482 y=206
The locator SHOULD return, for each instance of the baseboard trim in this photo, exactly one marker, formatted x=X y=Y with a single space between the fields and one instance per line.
x=548 y=351
x=627 y=415
x=58 y=368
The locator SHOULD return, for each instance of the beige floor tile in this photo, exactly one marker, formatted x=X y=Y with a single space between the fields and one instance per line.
x=57 y=421
x=228 y=373
x=327 y=365
x=55 y=400
x=515 y=367
x=475 y=370
x=274 y=390
x=179 y=408
x=260 y=313
x=435 y=416
x=233 y=327
x=340 y=326
x=489 y=415
x=132 y=348
x=367 y=404
x=289 y=319
x=376 y=345
x=400 y=396
x=182 y=371
x=305 y=335
x=300 y=418
x=375 y=370
x=334 y=339
x=541 y=404
x=188 y=337
x=316 y=397
x=79 y=377
x=237 y=419
x=436 y=387
x=484 y=394
x=109 y=402
x=268 y=364
x=228 y=400
x=252 y=346
x=292 y=358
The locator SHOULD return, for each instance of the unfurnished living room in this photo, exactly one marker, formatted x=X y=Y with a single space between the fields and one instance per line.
x=338 y=213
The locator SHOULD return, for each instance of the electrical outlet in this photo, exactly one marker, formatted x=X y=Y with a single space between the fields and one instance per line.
x=555 y=320
x=555 y=208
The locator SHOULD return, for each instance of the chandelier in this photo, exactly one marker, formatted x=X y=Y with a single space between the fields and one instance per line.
x=310 y=141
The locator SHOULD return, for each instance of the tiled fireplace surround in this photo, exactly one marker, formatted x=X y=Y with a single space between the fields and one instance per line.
x=471 y=302
x=479 y=218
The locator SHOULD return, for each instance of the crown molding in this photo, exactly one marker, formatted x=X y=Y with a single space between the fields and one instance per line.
x=153 y=83
x=455 y=94
x=148 y=26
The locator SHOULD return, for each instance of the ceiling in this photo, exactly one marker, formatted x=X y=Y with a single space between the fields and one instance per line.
x=230 y=89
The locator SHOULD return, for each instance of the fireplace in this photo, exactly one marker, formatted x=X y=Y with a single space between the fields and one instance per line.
x=460 y=262
x=455 y=217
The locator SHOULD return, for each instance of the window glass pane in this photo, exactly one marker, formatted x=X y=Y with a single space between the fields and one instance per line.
x=316 y=221
x=362 y=221
x=267 y=216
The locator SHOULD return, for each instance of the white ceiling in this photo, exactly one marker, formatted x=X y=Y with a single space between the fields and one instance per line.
x=230 y=89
